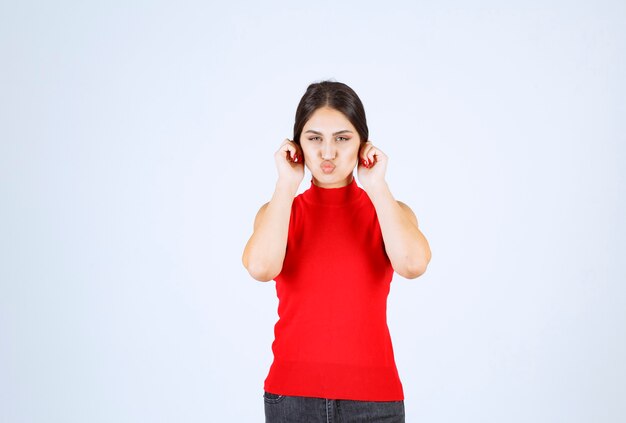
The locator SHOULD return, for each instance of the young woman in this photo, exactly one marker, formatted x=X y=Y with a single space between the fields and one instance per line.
x=332 y=251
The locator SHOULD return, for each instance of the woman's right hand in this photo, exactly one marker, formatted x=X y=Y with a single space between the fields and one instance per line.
x=290 y=163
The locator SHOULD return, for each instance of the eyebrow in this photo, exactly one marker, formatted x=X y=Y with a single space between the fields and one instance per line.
x=336 y=133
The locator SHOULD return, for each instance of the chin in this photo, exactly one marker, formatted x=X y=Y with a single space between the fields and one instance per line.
x=333 y=177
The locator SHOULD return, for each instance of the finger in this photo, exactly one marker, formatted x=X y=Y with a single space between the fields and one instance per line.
x=372 y=155
x=299 y=154
x=291 y=149
x=363 y=151
x=362 y=157
x=366 y=154
x=289 y=152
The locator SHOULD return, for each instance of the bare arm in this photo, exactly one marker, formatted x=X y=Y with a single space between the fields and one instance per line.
x=264 y=253
x=406 y=246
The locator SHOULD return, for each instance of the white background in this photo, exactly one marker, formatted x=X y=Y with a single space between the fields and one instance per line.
x=136 y=146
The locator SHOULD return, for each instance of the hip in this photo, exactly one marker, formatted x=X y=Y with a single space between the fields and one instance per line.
x=290 y=408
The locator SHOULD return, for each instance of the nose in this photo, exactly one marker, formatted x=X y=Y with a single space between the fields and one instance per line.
x=328 y=151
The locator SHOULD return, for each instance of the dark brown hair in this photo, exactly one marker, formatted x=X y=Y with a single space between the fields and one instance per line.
x=336 y=95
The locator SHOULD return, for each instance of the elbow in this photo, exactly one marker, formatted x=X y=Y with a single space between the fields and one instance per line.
x=262 y=276
x=415 y=270
x=413 y=273
x=261 y=273
x=261 y=267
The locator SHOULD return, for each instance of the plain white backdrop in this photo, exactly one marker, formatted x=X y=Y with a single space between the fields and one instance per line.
x=137 y=143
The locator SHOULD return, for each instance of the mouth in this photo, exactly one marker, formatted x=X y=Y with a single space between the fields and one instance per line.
x=327 y=167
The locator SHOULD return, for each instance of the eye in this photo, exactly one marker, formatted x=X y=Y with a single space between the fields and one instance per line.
x=313 y=138
x=343 y=138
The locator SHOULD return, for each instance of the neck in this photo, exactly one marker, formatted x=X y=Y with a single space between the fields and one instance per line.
x=338 y=196
x=348 y=179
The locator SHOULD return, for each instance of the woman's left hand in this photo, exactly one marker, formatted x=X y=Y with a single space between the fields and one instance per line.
x=372 y=165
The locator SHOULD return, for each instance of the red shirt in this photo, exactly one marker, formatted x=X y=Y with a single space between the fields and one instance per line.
x=331 y=338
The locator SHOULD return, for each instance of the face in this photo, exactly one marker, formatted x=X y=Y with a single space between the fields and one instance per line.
x=330 y=145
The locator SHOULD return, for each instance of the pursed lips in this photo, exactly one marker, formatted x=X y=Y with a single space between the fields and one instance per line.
x=327 y=167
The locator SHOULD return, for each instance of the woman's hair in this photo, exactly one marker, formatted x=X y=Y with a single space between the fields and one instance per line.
x=335 y=95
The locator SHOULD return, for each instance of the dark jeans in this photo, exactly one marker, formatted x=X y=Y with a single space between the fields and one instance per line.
x=292 y=409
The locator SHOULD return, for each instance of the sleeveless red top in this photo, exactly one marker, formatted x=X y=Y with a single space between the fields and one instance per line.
x=331 y=339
